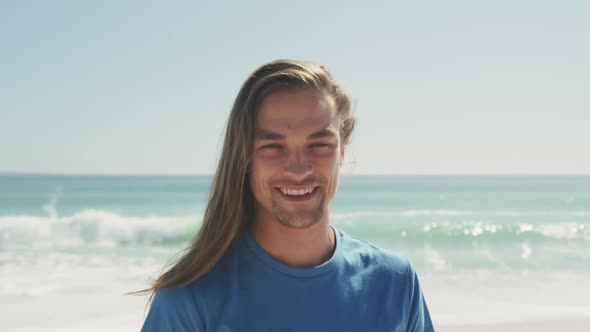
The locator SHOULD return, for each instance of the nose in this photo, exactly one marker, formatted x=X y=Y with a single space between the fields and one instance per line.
x=299 y=165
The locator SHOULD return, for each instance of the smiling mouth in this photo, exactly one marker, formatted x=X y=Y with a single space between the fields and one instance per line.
x=298 y=194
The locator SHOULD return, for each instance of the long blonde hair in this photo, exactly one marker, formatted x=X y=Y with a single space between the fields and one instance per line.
x=230 y=208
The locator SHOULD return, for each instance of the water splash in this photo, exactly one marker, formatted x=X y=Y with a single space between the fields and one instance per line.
x=526 y=251
x=50 y=207
x=91 y=227
x=435 y=259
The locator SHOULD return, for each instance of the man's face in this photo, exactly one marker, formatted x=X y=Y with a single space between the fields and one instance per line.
x=296 y=161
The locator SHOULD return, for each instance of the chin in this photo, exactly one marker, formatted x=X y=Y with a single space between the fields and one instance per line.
x=298 y=224
x=299 y=221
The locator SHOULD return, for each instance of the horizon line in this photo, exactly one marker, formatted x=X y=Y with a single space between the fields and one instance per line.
x=12 y=173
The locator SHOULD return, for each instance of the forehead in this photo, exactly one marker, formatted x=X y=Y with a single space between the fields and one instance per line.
x=299 y=110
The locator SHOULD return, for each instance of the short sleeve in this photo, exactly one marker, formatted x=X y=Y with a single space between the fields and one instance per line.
x=419 y=317
x=172 y=309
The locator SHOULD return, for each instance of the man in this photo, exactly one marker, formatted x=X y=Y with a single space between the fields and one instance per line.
x=266 y=257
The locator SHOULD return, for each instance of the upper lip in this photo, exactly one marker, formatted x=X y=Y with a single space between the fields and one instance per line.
x=296 y=190
x=296 y=187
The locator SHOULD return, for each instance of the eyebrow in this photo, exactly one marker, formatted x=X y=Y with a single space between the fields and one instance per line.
x=322 y=133
x=265 y=134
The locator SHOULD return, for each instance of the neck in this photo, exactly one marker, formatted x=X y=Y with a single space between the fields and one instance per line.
x=297 y=247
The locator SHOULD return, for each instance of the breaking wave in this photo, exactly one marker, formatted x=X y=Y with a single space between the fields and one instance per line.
x=94 y=228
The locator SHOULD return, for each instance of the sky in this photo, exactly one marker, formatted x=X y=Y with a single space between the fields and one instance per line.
x=440 y=87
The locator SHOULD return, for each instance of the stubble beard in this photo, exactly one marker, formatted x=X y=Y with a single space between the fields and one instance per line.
x=298 y=219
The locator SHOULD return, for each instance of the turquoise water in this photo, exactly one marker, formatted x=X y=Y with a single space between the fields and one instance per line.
x=443 y=223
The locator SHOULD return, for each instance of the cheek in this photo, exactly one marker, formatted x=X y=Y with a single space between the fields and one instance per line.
x=334 y=182
x=259 y=178
x=329 y=163
x=330 y=171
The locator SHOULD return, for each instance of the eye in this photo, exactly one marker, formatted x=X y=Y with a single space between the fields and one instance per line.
x=271 y=149
x=321 y=148
x=321 y=145
x=270 y=146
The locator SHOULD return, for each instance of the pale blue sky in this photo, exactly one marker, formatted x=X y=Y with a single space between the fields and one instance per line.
x=440 y=86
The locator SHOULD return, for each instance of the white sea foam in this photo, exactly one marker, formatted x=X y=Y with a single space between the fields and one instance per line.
x=435 y=259
x=486 y=296
x=458 y=213
x=563 y=231
x=51 y=286
x=498 y=213
x=526 y=251
x=51 y=206
x=414 y=213
x=92 y=227
x=360 y=215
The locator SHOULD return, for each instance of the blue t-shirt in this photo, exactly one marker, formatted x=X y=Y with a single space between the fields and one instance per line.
x=361 y=288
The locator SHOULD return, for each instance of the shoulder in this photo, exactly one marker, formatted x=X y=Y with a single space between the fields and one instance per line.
x=174 y=297
x=187 y=308
x=385 y=267
x=367 y=255
x=173 y=309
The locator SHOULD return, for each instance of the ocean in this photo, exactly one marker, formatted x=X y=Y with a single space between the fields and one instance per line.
x=486 y=248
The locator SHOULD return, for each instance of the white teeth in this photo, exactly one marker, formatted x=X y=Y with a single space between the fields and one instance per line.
x=295 y=192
